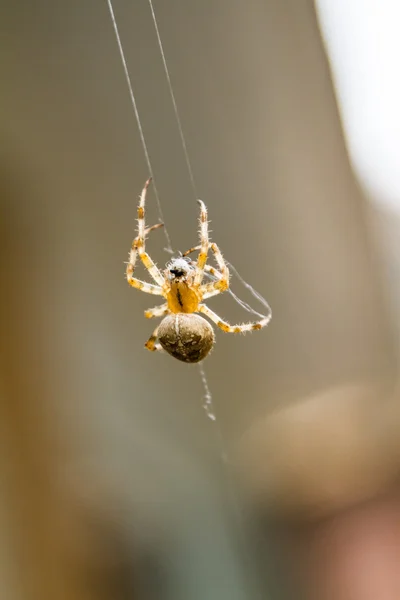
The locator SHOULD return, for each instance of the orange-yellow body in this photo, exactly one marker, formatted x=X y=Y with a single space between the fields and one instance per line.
x=182 y=298
x=182 y=333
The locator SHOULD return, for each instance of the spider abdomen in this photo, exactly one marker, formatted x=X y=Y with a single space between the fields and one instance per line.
x=187 y=337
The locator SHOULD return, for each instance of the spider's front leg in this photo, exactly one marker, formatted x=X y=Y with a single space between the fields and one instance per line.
x=149 y=288
x=222 y=284
x=202 y=258
x=213 y=287
x=138 y=244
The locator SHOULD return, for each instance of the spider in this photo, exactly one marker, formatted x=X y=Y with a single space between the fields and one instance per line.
x=182 y=333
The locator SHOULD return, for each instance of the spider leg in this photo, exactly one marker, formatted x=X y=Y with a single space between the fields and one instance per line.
x=194 y=249
x=149 y=288
x=214 y=287
x=203 y=308
x=222 y=284
x=208 y=290
x=151 y=342
x=138 y=244
x=153 y=228
x=202 y=258
x=157 y=311
x=212 y=271
x=209 y=269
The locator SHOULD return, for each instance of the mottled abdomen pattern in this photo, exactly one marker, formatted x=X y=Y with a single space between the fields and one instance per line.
x=187 y=337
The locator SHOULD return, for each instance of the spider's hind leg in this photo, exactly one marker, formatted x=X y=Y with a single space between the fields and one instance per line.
x=242 y=328
x=152 y=343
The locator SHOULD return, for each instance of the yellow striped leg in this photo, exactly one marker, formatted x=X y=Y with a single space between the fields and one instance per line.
x=194 y=249
x=149 y=288
x=232 y=328
x=208 y=289
x=133 y=252
x=157 y=311
x=141 y=211
x=202 y=258
x=151 y=343
x=213 y=287
x=138 y=244
x=222 y=284
x=148 y=262
x=137 y=283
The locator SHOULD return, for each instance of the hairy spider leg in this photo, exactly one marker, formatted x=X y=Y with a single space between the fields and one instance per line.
x=213 y=288
x=151 y=342
x=137 y=247
x=203 y=308
x=138 y=244
x=202 y=258
x=222 y=284
x=157 y=311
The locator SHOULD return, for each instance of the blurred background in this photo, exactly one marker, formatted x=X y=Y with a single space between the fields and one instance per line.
x=112 y=483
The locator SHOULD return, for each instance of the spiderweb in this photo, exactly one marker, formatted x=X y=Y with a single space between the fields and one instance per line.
x=208 y=402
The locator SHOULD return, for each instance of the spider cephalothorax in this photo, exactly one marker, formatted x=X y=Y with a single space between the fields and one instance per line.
x=182 y=333
x=179 y=269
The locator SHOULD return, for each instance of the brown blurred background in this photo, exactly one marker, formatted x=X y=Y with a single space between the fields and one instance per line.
x=111 y=482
